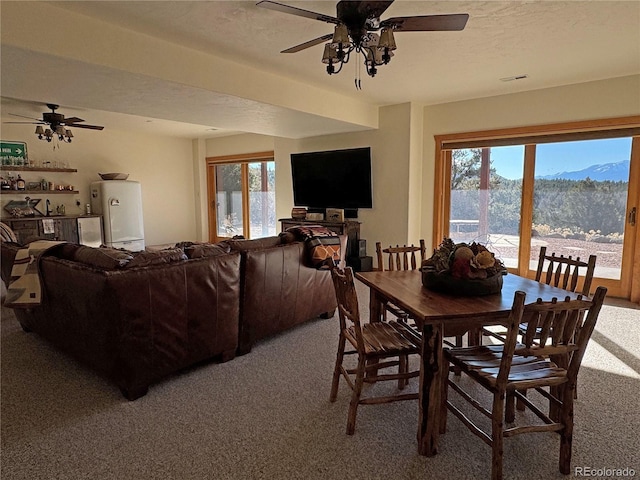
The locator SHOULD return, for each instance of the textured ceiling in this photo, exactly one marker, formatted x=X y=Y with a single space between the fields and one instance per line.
x=554 y=43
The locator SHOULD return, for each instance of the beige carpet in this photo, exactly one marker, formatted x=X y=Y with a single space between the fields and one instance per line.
x=266 y=415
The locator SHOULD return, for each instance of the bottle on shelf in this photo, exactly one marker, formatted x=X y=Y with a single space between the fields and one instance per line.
x=20 y=184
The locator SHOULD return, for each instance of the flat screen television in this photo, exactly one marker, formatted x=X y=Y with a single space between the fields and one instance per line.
x=332 y=179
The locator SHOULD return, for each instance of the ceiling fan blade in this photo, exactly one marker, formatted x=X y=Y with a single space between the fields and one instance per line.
x=72 y=120
x=22 y=116
x=308 y=44
x=28 y=123
x=90 y=127
x=425 y=23
x=279 y=7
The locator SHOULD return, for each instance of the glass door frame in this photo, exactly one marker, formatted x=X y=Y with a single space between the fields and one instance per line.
x=244 y=160
x=629 y=284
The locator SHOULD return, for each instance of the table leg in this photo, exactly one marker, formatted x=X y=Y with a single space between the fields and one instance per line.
x=431 y=367
x=375 y=306
x=474 y=337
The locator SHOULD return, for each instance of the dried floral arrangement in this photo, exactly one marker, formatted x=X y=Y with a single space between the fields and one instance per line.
x=464 y=261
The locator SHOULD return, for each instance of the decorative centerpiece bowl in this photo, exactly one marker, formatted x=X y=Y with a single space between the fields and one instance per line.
x=463 y=269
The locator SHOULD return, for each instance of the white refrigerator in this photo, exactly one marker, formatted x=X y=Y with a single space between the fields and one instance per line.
x=120 y=204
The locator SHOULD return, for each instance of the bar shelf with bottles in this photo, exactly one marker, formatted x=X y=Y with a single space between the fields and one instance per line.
x=6 y=188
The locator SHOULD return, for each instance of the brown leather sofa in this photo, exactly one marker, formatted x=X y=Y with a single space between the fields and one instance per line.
x=139 y=317
x=279 y=289
x=135 y=324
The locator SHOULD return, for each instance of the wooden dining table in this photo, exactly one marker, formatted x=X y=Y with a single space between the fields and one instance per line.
x=438 y=314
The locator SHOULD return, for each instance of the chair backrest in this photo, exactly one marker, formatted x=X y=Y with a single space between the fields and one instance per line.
x=347 y=298
x=400 y=258
x=568 y=324
x=564 y=271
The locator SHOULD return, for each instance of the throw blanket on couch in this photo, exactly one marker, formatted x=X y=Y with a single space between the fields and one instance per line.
x=24 y=288
x=323 y=245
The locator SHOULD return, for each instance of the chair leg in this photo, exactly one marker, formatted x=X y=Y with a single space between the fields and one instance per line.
x=496 y=435
x=566 y=434
x=519 y=404
x=355 y=397
x=456 y=370
x=510 y=412
x=403 y=368
x=444 y=397
x=336 y=370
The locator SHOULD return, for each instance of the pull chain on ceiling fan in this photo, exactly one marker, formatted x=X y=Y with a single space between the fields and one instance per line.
x=355 y=25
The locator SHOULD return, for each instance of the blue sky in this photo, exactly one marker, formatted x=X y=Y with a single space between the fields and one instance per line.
x=561 y=157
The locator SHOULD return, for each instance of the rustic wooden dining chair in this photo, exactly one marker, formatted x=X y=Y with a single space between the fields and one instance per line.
x=562 y=272
x=505 y=370
x=399 y=258
x=559 y=271
x=403 y=258
x=375 y=344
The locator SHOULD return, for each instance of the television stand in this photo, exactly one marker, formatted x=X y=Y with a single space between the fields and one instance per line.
x=350 y=228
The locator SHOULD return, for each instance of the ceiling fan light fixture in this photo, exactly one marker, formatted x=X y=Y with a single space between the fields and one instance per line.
x=64 y=134
x=330 y=57
x=341 y=35
x=56 y=125
x=330 y=53
x=387 y=40
x=373 y=57
x=355 y=22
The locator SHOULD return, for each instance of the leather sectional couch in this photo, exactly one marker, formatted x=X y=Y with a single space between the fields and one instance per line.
x=139 y=317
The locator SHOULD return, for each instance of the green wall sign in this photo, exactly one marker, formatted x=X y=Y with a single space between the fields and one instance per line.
x=13 y=154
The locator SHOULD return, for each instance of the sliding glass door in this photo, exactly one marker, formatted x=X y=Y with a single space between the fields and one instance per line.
x=580 y=195
x=485 y=199
x=241 y=196
x=575 y=197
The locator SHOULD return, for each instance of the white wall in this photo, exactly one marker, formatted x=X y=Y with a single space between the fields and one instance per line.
x=388 y=220
x=162 y=165
x=611 y=98
x=396 y=148
x=173 y=176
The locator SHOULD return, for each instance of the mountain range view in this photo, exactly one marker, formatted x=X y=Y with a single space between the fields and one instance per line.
x=615 y=172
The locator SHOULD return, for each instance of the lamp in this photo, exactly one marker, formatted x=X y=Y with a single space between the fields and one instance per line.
x=375 y=50
x=386 y=45
x=64 y=134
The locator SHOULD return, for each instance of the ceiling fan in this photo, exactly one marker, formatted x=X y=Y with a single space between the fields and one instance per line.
x=356 y=23
x=57 y=124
